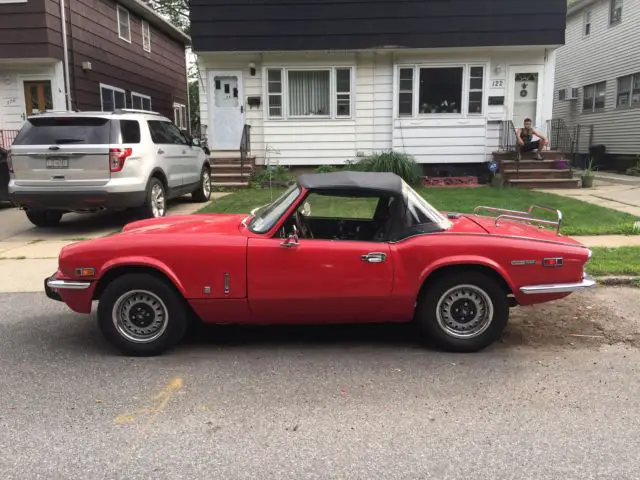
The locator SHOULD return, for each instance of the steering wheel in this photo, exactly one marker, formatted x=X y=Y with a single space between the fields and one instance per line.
x=303 y=225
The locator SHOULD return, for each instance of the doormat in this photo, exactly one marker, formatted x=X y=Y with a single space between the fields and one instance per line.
x=450 y=182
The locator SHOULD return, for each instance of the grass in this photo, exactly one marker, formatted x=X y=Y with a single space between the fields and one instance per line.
x=580 y=218
x=614 y=261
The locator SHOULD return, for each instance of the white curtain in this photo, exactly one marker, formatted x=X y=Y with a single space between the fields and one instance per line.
x=309 y=93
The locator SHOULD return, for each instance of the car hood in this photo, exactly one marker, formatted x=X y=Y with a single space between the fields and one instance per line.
x=518 y=229
x=185 y=224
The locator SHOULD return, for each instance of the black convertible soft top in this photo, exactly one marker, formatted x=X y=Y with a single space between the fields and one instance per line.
x=371 y=181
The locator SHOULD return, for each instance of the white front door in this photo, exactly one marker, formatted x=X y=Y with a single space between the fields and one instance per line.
x=525 y=95
x=227 y=110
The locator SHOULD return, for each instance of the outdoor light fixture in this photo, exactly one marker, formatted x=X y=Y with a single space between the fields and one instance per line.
x=252 y=69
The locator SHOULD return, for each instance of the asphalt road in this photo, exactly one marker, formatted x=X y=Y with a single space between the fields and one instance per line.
x=309 y=403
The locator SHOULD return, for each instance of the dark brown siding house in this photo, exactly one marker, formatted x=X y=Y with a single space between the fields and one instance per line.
x=118 y=55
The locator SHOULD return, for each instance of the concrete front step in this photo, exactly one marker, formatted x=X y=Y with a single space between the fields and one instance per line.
x=547 y=155
x=230 y=177
x=231 y=160
x=544 y=183
x=536 y=173
x=231 y=168
x=526 y=164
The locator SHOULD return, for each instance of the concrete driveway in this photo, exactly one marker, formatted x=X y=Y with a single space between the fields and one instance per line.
x=28 y=254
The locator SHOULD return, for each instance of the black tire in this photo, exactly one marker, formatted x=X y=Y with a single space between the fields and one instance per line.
x=485 y=293
x=147 y=210
x=202 y=194
x=174 y=322
x=44 y=218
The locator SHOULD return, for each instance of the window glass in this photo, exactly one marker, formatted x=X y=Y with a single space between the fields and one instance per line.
x=309 y=93
x=124 y=28
x=441 y=90
x=332 y=206
x=130 y=131
x=159 y=134
x=343 y=92
x=64 y=130
x=405 y=100
x=268 y=216
x=615 y=15
x=476 y=86
x=146 y=36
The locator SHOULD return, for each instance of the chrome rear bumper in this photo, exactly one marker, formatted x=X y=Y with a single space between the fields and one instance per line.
x=587 y=282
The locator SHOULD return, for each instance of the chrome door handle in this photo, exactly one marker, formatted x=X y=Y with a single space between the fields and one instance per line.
x=160 y=151
x=374 y=257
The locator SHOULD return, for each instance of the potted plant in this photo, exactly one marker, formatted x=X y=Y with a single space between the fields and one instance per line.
x=587 y=176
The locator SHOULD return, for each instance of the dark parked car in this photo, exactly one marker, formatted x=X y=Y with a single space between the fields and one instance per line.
x=4 y=176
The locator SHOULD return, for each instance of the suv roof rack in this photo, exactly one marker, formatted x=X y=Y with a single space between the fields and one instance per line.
x=133 y=110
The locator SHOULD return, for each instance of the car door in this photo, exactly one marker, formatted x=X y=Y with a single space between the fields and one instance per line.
x=189 y=158
x=318 y=280
x=169 y=153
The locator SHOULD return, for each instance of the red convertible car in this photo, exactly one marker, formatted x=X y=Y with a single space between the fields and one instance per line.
x=342 y=247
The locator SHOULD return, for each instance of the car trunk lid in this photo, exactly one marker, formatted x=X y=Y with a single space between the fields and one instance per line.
x=59 y=150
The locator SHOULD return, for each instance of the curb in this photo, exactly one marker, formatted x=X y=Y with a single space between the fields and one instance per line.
x=618 y=281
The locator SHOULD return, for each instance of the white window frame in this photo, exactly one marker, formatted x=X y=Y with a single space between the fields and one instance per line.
x=630 y=103
x=587 y=22
x=180 y=122
x=113 y=89
x=613 y=22
x=333 y=95
x=120 y=9
x=593 y=108
x=146 y=46
x=6 y=2
x=144 y=97
x=466 y=82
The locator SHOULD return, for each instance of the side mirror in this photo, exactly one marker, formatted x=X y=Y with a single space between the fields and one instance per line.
x=196 y=142
x=292 y=240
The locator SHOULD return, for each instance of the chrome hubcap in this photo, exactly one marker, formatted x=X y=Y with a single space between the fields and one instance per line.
x=206 y=183
x=464 y=311
x=140 y=316
x=157 y=201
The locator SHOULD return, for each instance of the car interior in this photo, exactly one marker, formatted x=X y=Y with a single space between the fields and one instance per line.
x=372 y=218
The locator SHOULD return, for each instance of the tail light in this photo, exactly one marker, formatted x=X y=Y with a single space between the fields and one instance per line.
x=117 y=157
x=9 y=162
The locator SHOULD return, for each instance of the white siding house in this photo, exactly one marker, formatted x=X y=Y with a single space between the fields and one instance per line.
x=601 y=63
x=328 y=107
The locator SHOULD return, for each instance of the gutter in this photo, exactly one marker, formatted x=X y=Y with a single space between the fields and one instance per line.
x=65 y=50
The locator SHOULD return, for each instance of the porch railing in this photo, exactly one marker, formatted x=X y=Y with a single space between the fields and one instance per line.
x=7 y=137
x=509 y=140
x=245 y=147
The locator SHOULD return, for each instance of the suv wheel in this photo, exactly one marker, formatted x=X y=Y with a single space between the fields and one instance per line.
x=44 y=218
x=156 y=204
x=203 y=192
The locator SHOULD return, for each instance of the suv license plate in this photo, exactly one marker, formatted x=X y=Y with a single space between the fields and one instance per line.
x=57 y=163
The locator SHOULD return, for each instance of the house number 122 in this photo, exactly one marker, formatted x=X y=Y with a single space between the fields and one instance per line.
x=497 y=84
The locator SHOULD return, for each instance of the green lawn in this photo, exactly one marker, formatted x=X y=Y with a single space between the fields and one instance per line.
x=580 y=218
x=615 y=261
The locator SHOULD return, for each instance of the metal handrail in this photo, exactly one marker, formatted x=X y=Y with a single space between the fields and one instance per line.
x=524 y=216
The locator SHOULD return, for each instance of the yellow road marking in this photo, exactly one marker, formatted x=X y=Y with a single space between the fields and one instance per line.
x=160 y=402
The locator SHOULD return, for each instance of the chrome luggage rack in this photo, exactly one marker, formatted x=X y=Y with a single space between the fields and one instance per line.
x=526 y=217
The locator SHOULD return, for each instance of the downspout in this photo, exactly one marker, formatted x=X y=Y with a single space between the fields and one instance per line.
x=186 y=66
x=67 y=87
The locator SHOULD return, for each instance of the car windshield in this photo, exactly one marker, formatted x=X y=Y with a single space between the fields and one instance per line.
x=266 y=217
x=420 y=212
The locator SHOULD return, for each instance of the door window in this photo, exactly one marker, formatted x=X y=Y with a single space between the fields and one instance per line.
x=166 y=133
x=525 y=103
x=38 y=96
x=226 y=91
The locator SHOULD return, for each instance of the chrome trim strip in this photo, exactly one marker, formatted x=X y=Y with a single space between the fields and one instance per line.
x=587 y=282
x=67 y=284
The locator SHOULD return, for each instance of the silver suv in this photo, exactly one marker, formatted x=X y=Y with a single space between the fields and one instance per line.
x=89 y=161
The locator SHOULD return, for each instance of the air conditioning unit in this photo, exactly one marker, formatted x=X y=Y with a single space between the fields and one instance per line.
x=568 y=93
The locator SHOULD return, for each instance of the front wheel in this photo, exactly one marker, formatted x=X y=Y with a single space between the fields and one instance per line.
x=203 y=192
x=463 y=312
x=44 y=218
x=142 y=315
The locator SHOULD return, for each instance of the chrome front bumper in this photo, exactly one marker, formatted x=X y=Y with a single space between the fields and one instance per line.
x=587 y=282
x=52 y=285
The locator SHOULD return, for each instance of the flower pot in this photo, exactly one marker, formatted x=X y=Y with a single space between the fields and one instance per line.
x=587 y=181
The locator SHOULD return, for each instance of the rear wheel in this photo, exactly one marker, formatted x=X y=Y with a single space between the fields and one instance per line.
x=463 y=312
x=155 y=205
x=142 y=315
x=44 y=218
x=203 y=192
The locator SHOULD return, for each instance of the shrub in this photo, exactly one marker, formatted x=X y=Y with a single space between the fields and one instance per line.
x=401 y=164
x=326 y=169
x=277 y=174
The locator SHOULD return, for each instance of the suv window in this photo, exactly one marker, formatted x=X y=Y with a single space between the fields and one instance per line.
x=130 y=131
x=166 y=132
x=64 y=130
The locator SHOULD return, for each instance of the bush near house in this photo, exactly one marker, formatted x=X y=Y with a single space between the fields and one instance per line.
x=401 y=164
